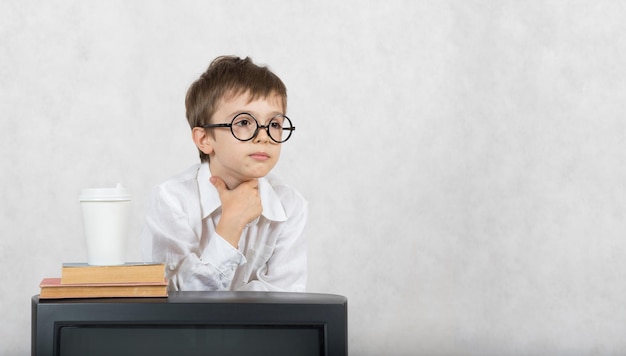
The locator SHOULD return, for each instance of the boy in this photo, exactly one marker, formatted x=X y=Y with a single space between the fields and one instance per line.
x=226 y=223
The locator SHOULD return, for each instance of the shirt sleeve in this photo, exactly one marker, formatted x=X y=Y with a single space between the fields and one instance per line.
x=286 y=268
x=191 y=264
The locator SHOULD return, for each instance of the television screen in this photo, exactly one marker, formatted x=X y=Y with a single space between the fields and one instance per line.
x=192 y=323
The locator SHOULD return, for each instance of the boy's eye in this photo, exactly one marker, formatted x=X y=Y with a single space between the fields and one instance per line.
x=243 y=121
x=275 y=125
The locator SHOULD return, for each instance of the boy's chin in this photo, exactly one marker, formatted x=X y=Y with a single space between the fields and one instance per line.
x=260 y=172
x=250 y=176
x=258 y=175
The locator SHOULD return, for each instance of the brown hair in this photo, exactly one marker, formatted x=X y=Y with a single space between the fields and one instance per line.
x=229 y=76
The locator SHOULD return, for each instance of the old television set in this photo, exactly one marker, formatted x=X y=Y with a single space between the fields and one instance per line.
x=192 y=323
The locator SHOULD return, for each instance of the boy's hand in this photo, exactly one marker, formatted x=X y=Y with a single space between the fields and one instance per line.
x=239 y=207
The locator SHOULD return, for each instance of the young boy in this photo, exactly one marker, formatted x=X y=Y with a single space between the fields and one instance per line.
x=227 y=223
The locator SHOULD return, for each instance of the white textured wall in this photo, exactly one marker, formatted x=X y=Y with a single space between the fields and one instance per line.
x=464 y=160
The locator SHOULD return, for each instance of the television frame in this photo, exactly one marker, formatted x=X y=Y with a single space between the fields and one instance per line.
x=262 y=310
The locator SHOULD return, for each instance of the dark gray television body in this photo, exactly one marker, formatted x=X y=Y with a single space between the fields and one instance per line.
x=193 y=323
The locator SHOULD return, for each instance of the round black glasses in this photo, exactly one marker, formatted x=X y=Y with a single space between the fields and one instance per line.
x=245 y=127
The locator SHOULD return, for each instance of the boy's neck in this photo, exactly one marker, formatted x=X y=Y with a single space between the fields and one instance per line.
x=231 y=182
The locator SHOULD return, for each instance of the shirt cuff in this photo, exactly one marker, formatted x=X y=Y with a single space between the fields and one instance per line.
x=223 y=255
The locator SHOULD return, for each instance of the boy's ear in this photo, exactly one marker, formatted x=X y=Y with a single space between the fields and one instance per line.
x=202 y=140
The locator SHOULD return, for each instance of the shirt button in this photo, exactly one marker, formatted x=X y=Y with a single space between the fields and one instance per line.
x=171 y=266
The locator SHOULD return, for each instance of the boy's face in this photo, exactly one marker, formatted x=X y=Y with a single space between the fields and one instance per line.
x=238 y=161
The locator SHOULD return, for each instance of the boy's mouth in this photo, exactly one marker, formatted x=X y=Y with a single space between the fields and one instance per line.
x=260 y=156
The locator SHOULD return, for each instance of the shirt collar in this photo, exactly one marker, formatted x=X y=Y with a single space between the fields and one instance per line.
x=210 y=199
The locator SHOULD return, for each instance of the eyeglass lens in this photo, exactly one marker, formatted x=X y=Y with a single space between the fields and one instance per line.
x=244 y=127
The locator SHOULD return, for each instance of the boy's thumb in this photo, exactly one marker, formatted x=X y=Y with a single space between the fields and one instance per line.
x=218 y=183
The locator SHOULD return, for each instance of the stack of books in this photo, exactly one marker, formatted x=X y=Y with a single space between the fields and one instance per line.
x=80 y=280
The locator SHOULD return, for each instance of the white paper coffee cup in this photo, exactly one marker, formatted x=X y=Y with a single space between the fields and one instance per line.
x=106 y=215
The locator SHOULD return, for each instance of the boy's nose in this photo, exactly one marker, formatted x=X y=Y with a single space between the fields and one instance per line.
x=261 y=135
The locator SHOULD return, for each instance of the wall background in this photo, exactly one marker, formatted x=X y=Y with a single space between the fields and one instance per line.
x=464 y=160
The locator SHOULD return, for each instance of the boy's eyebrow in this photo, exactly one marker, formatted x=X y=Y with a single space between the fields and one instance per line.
x=255 y=114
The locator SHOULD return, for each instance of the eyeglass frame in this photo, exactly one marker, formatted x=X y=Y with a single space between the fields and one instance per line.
x=258 y=127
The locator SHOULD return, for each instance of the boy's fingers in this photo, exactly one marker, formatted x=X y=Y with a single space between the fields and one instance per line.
x=221 y=186
x=254 y=183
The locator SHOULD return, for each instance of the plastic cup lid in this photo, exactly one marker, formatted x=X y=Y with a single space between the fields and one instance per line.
x=119 y=193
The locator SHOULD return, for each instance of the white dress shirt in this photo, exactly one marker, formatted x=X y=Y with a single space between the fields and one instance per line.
x=181 y=216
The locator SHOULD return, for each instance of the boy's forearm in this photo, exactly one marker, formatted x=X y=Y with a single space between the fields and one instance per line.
x=240 y=206
x=229 y=231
